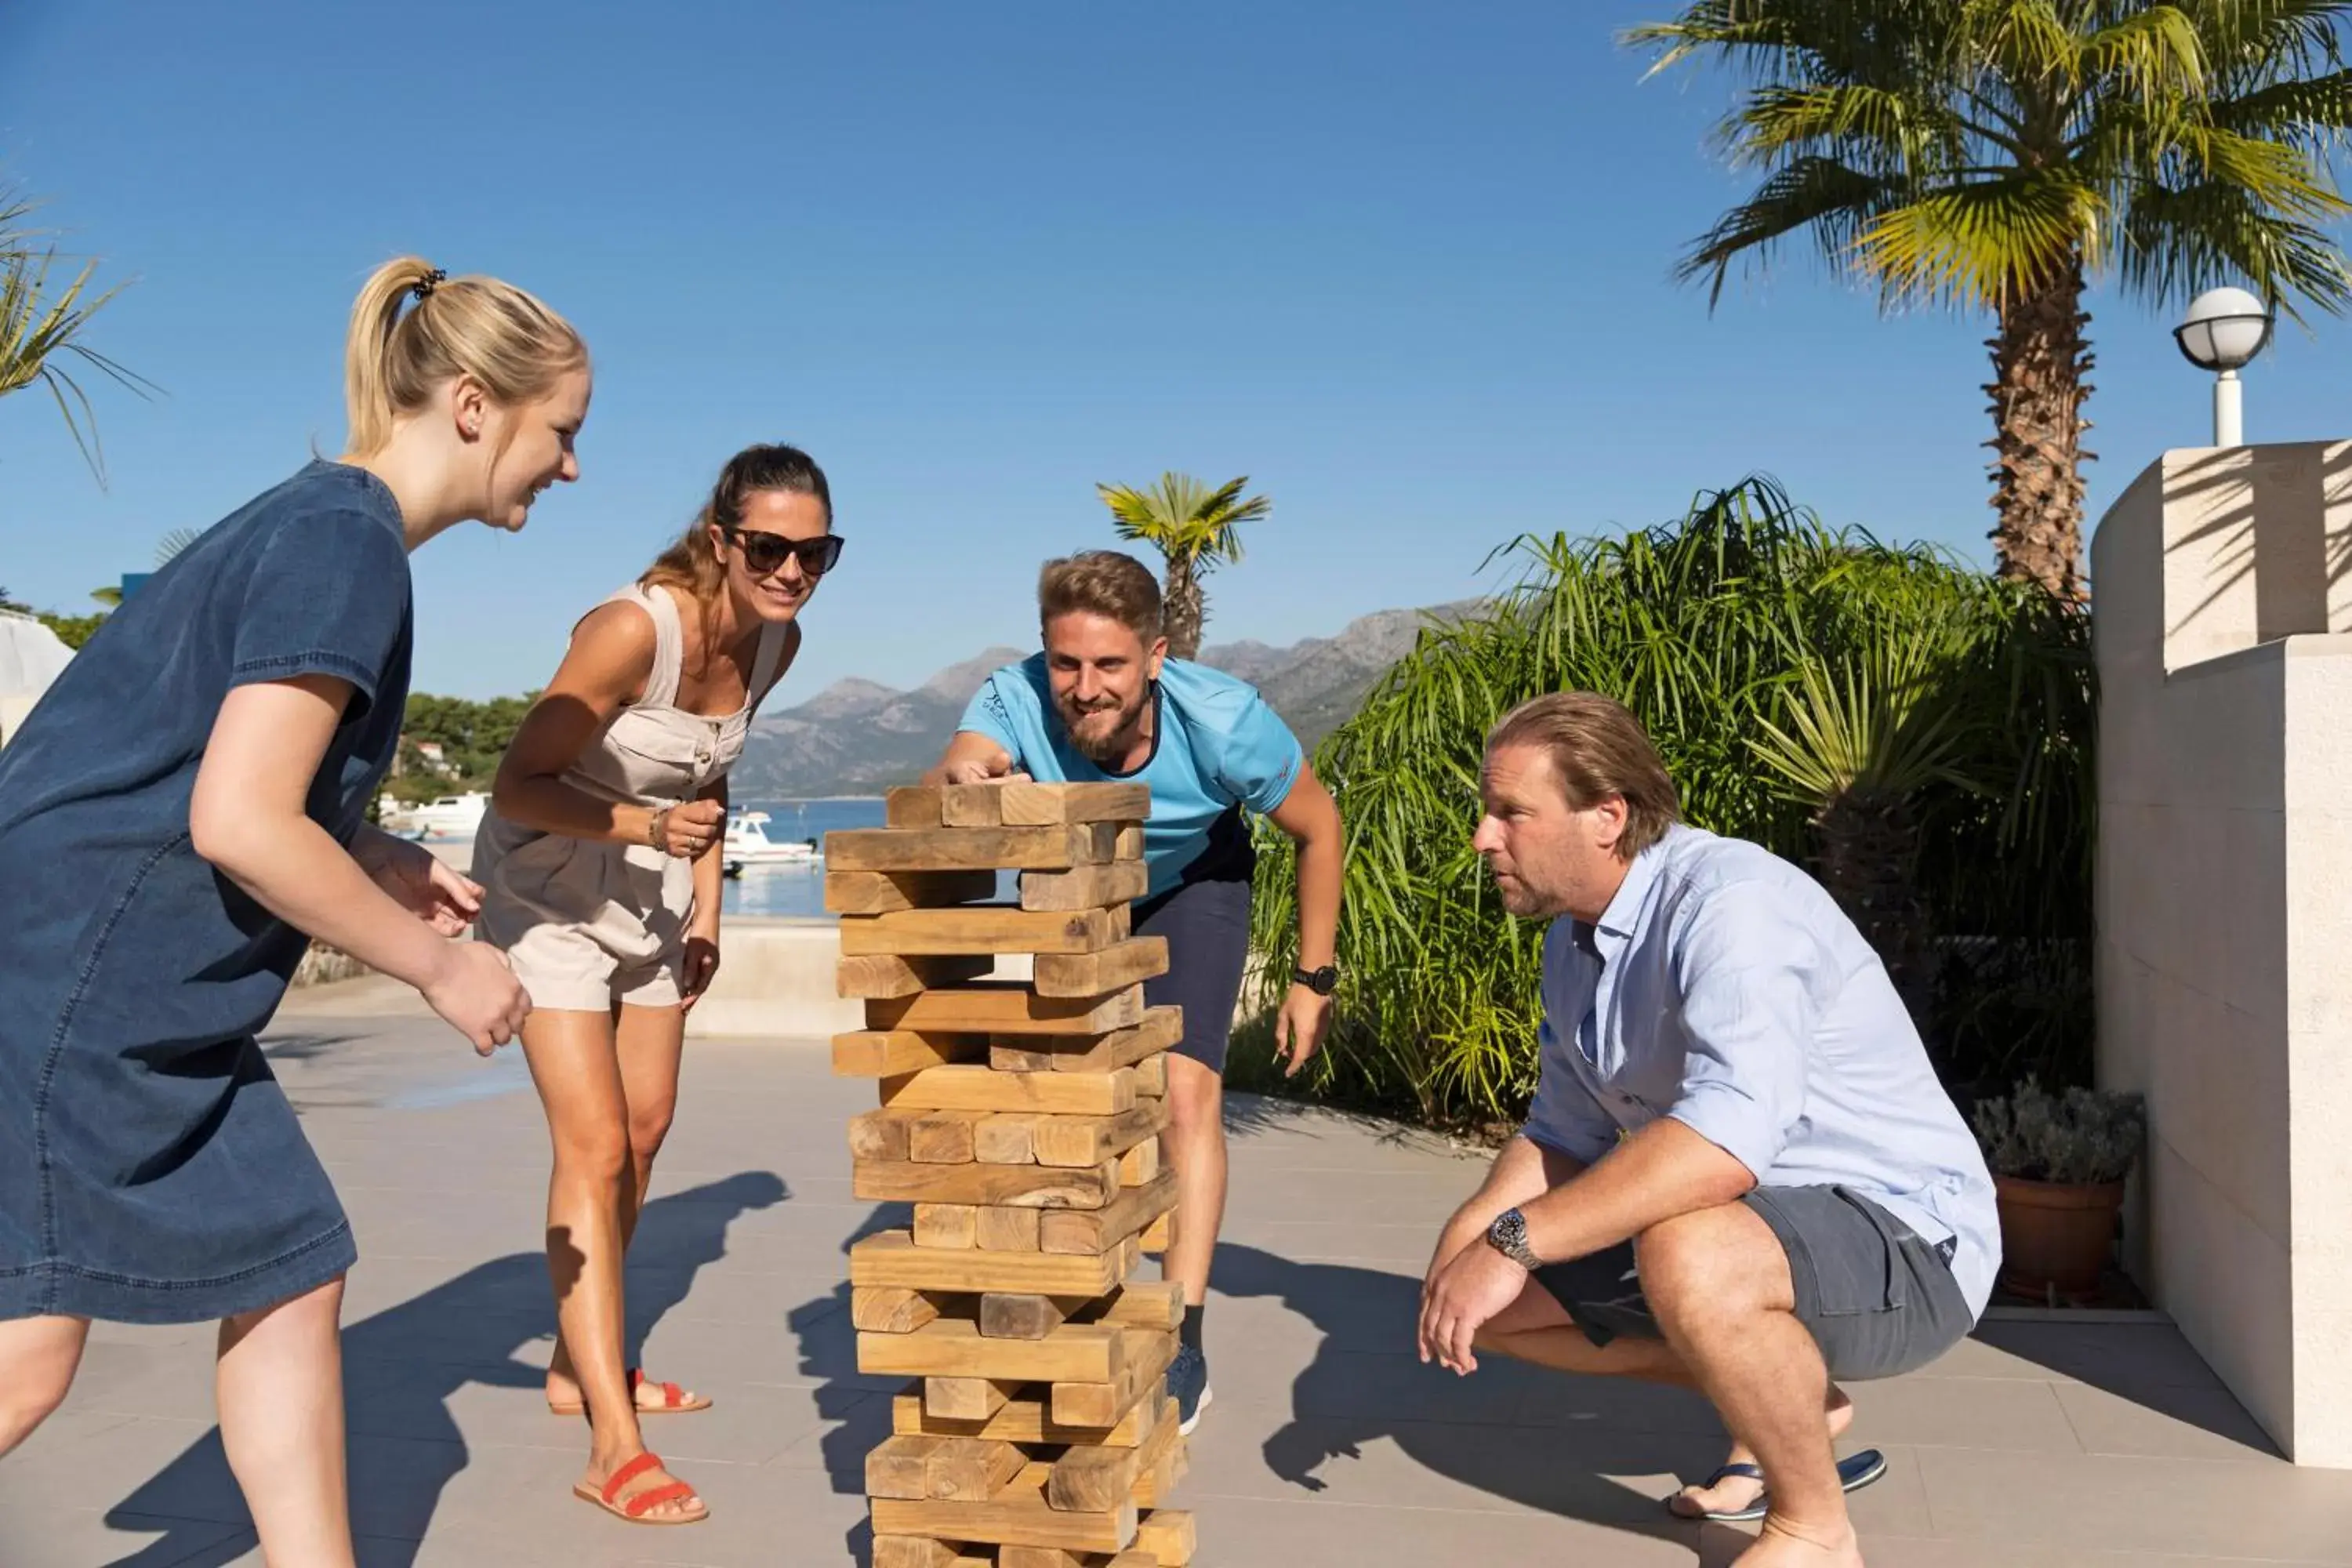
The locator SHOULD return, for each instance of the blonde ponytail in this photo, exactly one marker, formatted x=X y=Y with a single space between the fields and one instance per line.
x=394 y=358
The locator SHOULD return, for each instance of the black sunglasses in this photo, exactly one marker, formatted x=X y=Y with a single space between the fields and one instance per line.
x=764 y=552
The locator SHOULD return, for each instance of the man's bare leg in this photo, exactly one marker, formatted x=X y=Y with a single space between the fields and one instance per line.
x=1717 y=1281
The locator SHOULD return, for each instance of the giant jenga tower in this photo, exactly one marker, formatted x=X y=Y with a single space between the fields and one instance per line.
x=1021 y=1122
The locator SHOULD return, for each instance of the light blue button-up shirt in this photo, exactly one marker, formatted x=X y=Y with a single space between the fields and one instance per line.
x=1725 y=988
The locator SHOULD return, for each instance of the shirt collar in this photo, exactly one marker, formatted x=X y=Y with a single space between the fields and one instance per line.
x=1614 y=929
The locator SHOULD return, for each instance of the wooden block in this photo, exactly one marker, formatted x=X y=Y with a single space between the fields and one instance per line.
x=973 y=806
x=1139 y=1164
x=1139 y=958
x=1040 y=1557
x=1017 y=1516
x=959 y=1470
x=881 y=1135
x=1008 y=1229
x=885 y=974
x=1026 y=802
x=936 y=1137
x=1006 y=1317
x=1005 y=1007
x=971 y=848
x=1092 y=1479
x=1090 y=1139
x=1128 y=846
x=1028 y=1419
x=912 y=1552
x=1158 y=1471
x=1105 y=1227
x=1156 y=1236
x=1085 y=887
x=1021 y=1053
x=1147 y=1353
x=891 y=1257
x=891 y=1311
x=1006 y=1186
x=1146 y=1304
x=952 y=1347
x=973 y=1088
x=965 y=1398
x=1004 y=1139
x=1152 y=1075
x=1169 y=1535
x=886 y=1052
x=1133 y=1557
x=984 y=928
x=1161 y=1027
x=948 y=1226
x=913 y=805
x=884 y=892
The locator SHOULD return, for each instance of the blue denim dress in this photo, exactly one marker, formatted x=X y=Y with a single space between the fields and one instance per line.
x=150 y=1169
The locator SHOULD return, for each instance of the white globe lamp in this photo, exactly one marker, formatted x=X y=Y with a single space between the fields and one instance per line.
x=2225 y=329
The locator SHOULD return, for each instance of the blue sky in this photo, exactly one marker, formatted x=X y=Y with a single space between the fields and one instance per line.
x=1406 y=265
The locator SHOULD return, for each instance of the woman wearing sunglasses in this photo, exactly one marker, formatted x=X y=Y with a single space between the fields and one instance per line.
x=600 y=865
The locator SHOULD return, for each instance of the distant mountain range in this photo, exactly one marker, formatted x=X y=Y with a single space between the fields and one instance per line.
x=857 y=736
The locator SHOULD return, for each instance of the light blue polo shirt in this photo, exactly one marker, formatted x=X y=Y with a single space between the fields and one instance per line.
x=1724 y=988
x=1216 y=746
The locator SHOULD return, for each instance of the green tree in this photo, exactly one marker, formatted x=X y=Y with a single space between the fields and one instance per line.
x=72 y=630
x=1998 y=154
x=42 y=320
x=1197 y=528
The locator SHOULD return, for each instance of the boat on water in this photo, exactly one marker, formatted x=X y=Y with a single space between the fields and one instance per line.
x=448 y=817
x=748 y=845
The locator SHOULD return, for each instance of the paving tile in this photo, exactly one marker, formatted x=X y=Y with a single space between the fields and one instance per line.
x=2173 y=1422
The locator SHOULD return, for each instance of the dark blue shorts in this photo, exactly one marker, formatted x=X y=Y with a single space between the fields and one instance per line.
x=1207 y=927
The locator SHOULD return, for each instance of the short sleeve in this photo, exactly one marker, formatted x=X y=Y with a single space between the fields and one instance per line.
x=1260 y=758
x=329 y=594
x=1746 y=968
x=990 y=713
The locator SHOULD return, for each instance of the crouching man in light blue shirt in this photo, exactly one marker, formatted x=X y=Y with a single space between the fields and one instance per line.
x=1739 y=1172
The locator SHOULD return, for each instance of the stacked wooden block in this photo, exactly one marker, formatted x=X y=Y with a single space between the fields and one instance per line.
x=1021 y=1122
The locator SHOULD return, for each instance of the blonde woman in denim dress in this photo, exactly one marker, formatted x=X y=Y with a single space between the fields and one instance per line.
x=600 y=865
x=182 y=813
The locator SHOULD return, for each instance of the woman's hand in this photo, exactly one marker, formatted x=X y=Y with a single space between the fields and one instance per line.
x=688 y=828
x=418 y=881
x=700 y=962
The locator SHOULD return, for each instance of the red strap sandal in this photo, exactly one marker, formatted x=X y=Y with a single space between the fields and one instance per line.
x=636 y=1509
x=674 y=1399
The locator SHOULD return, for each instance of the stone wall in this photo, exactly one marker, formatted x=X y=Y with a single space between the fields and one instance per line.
x=2223 y=631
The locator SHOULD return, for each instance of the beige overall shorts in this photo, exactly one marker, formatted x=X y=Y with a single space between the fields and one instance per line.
x=587 y=923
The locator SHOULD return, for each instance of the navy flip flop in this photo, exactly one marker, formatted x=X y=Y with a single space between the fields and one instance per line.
x=1854 y=1472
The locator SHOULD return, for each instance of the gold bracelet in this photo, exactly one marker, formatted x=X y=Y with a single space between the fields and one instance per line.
x=654 y=829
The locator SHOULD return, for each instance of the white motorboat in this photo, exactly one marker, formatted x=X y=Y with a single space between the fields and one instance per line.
x=748 y=843
x=449 y=817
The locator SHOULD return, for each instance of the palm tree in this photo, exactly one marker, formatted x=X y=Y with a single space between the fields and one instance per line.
x=41 y=324
x=1196 y=529
x=1996 y=154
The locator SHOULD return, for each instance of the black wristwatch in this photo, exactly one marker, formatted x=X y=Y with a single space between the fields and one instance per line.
x=1508 y=1235
x=1322 y=982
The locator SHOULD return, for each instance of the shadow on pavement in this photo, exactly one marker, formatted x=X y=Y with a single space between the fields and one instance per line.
x=402 y=1366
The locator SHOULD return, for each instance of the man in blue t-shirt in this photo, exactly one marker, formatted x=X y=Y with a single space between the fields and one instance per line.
x=1104 y=701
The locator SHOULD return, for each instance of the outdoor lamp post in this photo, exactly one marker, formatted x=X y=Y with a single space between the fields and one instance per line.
x=2225 y=328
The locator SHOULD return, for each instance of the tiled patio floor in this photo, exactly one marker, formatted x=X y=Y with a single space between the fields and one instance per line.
x=2034 y=1446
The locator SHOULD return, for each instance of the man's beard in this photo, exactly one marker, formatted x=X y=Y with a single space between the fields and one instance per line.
x=1105 y=746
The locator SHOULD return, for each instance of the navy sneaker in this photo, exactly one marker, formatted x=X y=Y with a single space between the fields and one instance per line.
x=1187 y=1380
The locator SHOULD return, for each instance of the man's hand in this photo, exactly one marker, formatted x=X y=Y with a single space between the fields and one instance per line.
x=1462 y=1297
x=418 y=881
x=702 y=961
x=1299 y=1027
x=979 y=770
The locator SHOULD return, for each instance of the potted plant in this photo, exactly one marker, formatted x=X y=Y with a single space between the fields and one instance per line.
x=2058 y=1166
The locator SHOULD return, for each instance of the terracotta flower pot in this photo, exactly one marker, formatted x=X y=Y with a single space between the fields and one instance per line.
x=2054 y=1235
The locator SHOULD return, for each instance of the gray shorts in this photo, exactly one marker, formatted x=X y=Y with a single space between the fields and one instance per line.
x=1207 y=927
x=1878 y=1301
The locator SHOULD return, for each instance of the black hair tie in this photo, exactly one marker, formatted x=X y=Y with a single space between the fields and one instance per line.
x=425 y=286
